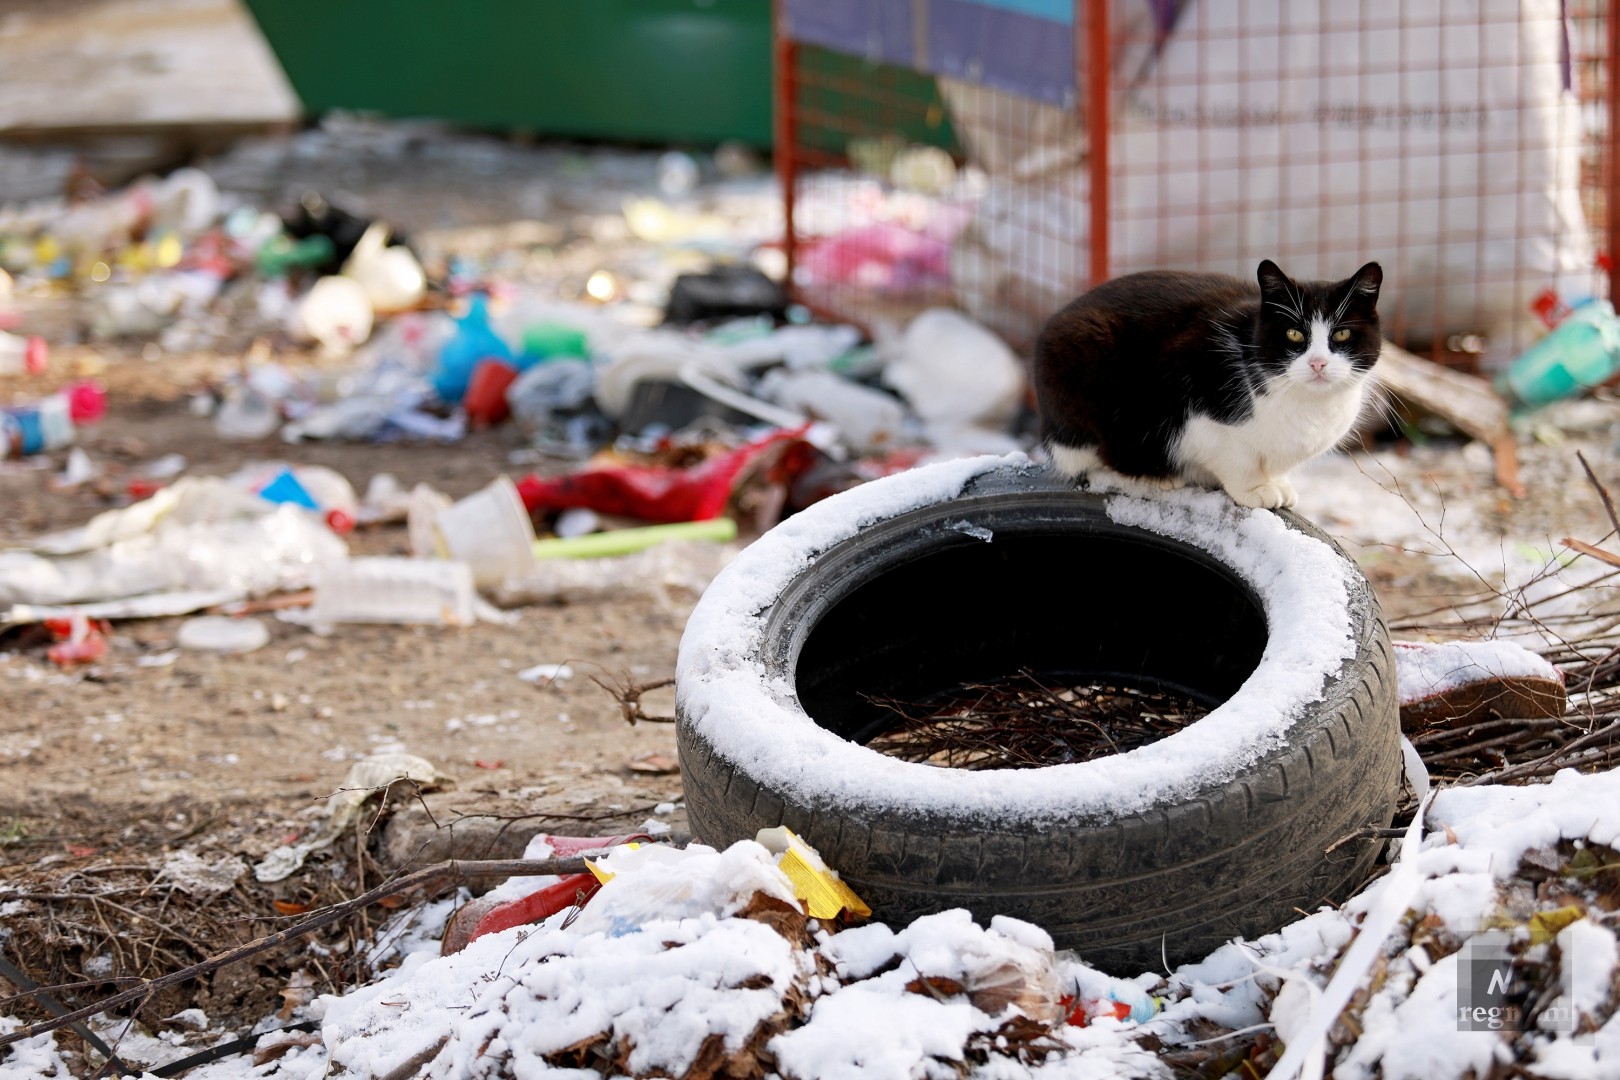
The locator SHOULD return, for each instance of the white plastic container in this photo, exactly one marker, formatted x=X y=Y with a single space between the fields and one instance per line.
x=489 y=530
x=393 y=590
x=219 y=633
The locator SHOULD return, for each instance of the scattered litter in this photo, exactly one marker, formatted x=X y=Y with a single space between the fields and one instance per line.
x=199 y=877
x=546 y=674
x=656 y=764
x=490 y=530
x=652 y=493
x=387 y=589
x=149 y=606
x=200 y=537
x=372 y=776
x=824 y=894
x=676 y=566
x=218 y=633
x=955 y=372
x=79 y=470
x=1580 y=352
x=80 y=640
x=50 y=423
x=628 y=541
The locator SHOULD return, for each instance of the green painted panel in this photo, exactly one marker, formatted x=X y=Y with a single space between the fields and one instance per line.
x=640 y=70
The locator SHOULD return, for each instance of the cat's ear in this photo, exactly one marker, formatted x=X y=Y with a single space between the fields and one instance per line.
x=1272 y=279
x=1364 y=284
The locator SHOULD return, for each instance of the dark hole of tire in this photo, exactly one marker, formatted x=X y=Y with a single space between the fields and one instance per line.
x=1070 y=607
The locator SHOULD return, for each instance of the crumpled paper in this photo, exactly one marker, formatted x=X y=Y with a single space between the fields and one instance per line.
x=366 y=779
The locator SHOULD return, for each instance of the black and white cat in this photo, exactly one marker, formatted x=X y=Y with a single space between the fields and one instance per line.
x=1202 y=378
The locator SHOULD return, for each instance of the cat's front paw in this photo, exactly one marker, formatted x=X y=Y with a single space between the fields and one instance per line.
x=1266 y=495
x=1289 y=495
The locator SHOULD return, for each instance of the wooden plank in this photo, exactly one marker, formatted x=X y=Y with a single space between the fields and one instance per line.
x=1466 y=401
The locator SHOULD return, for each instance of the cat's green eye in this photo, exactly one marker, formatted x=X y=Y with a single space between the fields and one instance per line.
x=1341 y=335
x=1295 y=334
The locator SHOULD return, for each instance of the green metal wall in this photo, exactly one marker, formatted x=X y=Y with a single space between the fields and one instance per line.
x=638 y=70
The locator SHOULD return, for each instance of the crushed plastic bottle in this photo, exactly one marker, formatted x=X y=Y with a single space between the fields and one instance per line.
x=49 y=424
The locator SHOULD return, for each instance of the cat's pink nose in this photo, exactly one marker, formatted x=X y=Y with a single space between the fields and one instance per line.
x=1318 y=365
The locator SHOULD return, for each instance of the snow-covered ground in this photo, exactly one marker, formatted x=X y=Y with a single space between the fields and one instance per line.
x=684 y=964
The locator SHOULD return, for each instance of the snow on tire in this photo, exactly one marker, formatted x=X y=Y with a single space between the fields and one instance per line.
x=974 y=569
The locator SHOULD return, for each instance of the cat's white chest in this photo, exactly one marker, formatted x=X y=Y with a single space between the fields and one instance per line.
x=1288 y=426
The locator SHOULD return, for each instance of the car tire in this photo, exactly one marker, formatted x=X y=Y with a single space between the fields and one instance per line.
x=960 y=571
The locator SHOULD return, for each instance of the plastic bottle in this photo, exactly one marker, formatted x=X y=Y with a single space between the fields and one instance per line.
x=36 y=429
x=19 y=355
x=50 y=423
x=1582 y=351
x=474 y=340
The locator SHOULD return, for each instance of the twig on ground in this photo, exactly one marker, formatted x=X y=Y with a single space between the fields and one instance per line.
x=627 y=692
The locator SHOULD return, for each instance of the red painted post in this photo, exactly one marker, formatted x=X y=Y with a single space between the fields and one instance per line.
x=1611 y=150
x=785 y=134
x=1094 y=57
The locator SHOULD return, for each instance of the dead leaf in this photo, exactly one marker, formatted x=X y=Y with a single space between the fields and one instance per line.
x=80 y=851
x=655 y=764
x=497 y=763
x=276 y=1051
x=290 y=907
x=779 y=915
x=1544 y=925
x=935 y=986
x=300 y=990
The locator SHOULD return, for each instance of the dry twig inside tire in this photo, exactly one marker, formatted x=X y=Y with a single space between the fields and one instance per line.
x=1025 y=722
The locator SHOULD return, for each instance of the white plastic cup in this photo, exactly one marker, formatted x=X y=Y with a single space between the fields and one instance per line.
x=490 y=531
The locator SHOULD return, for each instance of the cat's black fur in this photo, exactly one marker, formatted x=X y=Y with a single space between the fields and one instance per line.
x=1124 y=366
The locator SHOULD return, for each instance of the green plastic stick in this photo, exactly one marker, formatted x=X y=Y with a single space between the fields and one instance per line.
x=625 y=541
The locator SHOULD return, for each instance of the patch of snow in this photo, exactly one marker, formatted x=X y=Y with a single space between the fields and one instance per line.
x=1424 y=669
x=30 y=1059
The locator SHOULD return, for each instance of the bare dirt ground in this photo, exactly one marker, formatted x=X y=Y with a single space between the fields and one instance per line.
x=107 y=773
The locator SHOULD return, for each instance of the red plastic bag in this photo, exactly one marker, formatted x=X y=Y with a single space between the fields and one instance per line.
x=653 y=493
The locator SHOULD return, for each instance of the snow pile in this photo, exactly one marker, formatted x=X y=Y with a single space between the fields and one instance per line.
x=690 y=962
x=728 y=695
x=698 y=965
x=1424 y=670
x=1406 y=1023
